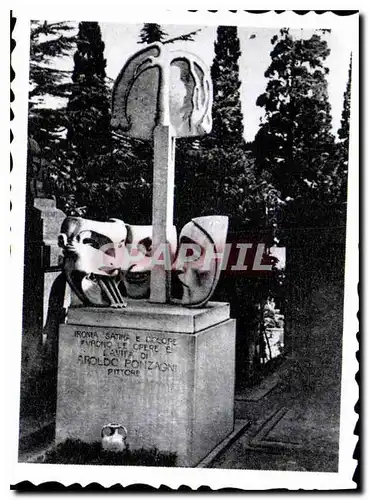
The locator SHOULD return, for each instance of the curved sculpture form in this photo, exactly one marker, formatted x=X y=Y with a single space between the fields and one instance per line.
x=199 y=273
x=137 y=266
x=92 y=255
x=103 y=261
x=157 y=85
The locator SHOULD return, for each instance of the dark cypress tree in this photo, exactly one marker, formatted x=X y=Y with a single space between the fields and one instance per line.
x=88 y=107
x=88 y=142
x=151 y=33
x=227 y=113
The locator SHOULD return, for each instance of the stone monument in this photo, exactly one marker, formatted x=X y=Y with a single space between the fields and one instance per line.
x=159 y=366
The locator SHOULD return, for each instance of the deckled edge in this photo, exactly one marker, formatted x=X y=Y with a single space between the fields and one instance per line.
x=141 y=487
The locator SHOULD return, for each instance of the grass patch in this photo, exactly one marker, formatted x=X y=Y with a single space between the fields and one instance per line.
x=74 y=451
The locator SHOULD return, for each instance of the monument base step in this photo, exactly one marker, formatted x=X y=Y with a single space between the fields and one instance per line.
x=144 y=315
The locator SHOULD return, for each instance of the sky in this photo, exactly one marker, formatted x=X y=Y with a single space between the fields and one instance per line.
x=121 y=42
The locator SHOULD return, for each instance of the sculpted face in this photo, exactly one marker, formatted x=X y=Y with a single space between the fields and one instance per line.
x=190 y=96
x=92 y=250
x=196 y=266
x=137 y=267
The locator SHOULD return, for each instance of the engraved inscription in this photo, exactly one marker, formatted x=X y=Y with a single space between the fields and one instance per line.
x=122 y=354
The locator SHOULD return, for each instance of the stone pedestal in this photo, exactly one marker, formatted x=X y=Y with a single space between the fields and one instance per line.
x=163 y=371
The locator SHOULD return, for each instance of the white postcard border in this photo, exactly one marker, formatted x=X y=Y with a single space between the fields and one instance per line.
x=175 y=477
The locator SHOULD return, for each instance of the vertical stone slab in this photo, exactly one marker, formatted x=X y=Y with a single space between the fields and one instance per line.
x=43 y=261
x=51 y=263
x=44 y=289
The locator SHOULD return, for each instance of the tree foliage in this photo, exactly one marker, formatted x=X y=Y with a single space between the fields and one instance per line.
x=108 y=176
x=218 y=180
x=344 y=130
x=295 y=147
x=227 y=113
x=218 y=170
x=185 y=37
x=49 y=43
x=151 y=33
x=88 y=145
x=294 y=142
x=88 y=106
x=342 y=149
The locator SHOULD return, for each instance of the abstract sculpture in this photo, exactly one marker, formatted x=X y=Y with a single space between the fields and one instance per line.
x=105 y=262
x=162 y=94
x=157 y=84
x=159 y=94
